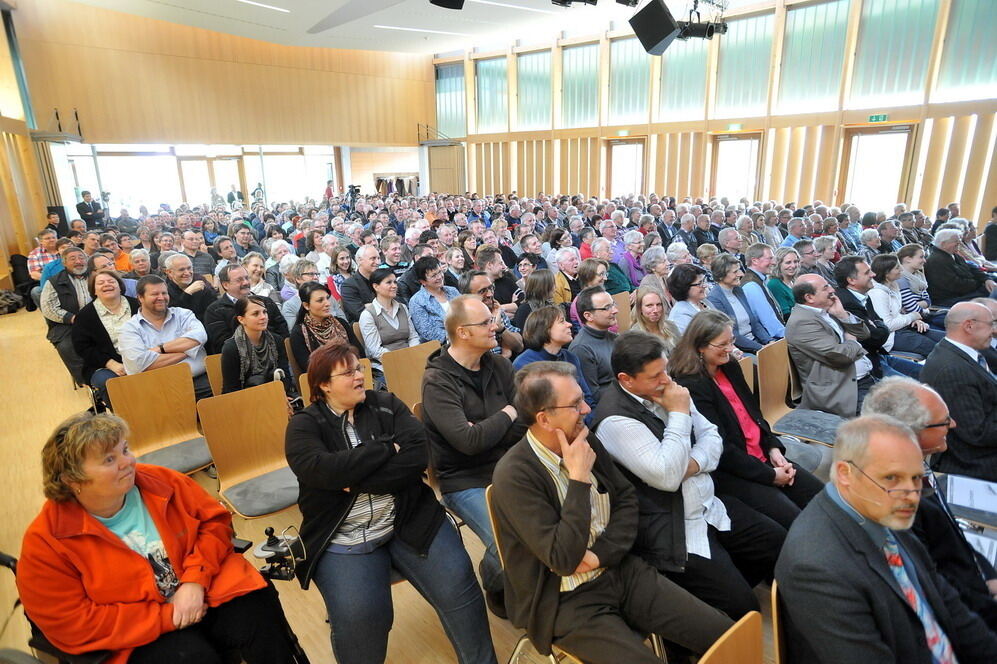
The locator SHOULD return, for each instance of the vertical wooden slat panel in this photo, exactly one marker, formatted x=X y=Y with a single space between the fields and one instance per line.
x=685 y=157
x=549 y=165
x=565 y=166
x=930 y=184
x=989 y=175
x=812 y=134
x=793 y=165
x=826 y=158
x=981 y=143
x=597 y=166
x=780 y=150
x=659 y=157
x=698 y=181
x=955 y=161
x=529 y=164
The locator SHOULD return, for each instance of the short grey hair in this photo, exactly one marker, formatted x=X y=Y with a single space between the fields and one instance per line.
x=687 y=217
x=726 y=232
x=170 y=260
x=653 y=256
x=896 y=396
x=824 y=242
x=633 y=237
x=564 y=253
x=286 y=263
x=251 y=255
x=599 y=243
x=868 y=234
x=138 y=253
x=677 y=250
x=946 y=235
x=852 y=440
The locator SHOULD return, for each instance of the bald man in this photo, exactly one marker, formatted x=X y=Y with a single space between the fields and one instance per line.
x=958 y=370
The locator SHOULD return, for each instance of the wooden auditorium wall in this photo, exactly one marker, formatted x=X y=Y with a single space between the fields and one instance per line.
x=140 y=80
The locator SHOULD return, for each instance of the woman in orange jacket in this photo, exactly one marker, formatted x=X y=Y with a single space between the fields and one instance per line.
x=138 y=560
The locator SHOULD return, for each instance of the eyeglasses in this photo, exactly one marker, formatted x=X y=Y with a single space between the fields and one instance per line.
x=484 y=323
x=701 y=284
x=434 y=275
x=349 y=372
x=309 y=274
x=726 y=346
x=947 y=422
x=577 y=405
x=486 y=289
x=892 y=493
x=608 y=307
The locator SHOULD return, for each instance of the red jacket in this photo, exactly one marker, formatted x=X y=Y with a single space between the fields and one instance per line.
x=87 y=590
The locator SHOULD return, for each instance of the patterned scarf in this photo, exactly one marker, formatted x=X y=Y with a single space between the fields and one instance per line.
x=255 y=360
x=321 y=331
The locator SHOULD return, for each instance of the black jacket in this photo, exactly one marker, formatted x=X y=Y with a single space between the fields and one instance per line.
x=64 y=288
x=878 y=332
x=951 y=279
x=300 y=349
x=356 y=292
x=91 y=341
x=198 y=302
x=232 y=369
x=219 y=322
x=91 y=213
x=322 y=458
x=713 y=405
x=468 y=433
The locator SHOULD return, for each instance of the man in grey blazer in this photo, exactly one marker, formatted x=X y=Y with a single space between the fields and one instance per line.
x=854 y=585
x=823 y=342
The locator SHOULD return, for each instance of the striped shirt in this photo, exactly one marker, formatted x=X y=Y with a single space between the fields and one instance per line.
x=371 y=518
x=599 y=503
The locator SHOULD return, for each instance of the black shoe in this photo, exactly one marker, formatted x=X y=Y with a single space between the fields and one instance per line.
x=495 y=601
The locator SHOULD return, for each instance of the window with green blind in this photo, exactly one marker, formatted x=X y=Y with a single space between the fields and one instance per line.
x=891 y=58
x=580 y=86
x=683 y=81
x=533 y=82
x=743 y=71
x=812 y=57
x=451 y=102
x=969 y=59
x=492 y=95
x=629 y=74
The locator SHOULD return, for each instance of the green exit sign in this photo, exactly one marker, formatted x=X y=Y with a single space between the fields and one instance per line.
x=735 y=127
x=879 y=118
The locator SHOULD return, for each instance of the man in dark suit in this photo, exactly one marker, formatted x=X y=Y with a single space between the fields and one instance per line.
x=950 y=278
x=90 y=211
x=235 y=196
x=565 y=520
x=219 y=317
x=958 y=370
x=186 y=289
x=855 y=586
x=924 y=411
x=357 y=291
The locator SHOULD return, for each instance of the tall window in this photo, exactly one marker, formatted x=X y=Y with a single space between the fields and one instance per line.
x=451 y=113
x=580 y=86
x=629 y=71
x=683 y=81
x=894 y=45
x=969 y=61
x=743 y=74
x=493 y=95
x=812 y=57
x=533 y=81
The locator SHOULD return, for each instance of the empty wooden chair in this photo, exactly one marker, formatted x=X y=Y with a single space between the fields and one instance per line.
x=747 y=364
x=773 y=387
x=292 y=361
x=741 y=644
x=213 y=365
x=403 y=369
x=624 y=316
x=160 y=409
x=778 y=647
x=245 y=433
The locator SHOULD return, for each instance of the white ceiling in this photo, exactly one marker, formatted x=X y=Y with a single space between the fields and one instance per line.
x=482 y=23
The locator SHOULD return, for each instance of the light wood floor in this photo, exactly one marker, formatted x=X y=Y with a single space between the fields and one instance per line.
x=36 y=394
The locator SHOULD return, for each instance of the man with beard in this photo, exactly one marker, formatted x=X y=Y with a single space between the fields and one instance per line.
x=61 y=299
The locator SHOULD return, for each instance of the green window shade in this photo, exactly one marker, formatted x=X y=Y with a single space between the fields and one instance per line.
x=812 y=57
x=891 y=59
x=451 y=111
x=629 y=74
x=580 y=86
x=969 y=59
x=683 y=81
x=493 y=95
x=533 y=81
x=743 y=76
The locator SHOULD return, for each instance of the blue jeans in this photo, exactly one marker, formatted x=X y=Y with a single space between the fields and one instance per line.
x=99 y=382
x=897 y=366
x=470 y=506
x=357 y=593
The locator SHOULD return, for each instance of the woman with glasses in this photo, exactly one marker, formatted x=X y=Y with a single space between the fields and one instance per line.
x=540 y=286
x=780 y=283
x=385 y=323
x=254 y=264
x=316 y=325
x=749 y=333
x=688 y=285
x=753 y=467
x=359 y=456
x=430 y=304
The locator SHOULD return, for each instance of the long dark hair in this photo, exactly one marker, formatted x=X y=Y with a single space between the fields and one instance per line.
x=305 y=292
x=703 y=328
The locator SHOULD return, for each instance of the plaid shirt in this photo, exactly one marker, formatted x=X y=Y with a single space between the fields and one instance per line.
x=39 y=258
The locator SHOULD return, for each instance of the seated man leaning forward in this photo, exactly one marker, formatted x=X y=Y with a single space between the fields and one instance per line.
x=854 y=584
x=565 y=518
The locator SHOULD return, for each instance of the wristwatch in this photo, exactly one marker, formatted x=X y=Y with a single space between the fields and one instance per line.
x=162 y=349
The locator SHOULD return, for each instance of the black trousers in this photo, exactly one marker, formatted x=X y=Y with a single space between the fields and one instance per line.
x=782 y=504
x=740 y=559
x=252 y=625
x=605 y=620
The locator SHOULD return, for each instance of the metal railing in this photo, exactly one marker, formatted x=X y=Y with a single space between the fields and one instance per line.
x=430 y=133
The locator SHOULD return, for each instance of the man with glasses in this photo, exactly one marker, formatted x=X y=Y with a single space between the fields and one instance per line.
x=808 y=256
x=717 y=550
x=958 y=370
x=566 y=519
x=924 y=411
x=467 y=395
x=219 y=318
x=594 y=342
x=853 y=584
x=508 y=336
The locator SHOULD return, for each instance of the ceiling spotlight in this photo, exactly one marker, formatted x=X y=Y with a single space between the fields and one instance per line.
x=561 y=3
x=629 y=3
x=689 y=29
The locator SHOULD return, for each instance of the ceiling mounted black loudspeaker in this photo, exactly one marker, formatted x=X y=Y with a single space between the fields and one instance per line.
x=655 y=27
x=448 y=4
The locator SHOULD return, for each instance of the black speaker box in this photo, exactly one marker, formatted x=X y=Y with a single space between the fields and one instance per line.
x=655 y=27
x=448 y=4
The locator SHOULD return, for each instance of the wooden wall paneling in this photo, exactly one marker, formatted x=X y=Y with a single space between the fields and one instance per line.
x=651 y=154
x=778 y=166
x=794 y=164
x=937 y=145
x=529 y=165
x=599 y=158
x=521 y=164
x=564 y=180
x=684 y=164
x=921 y=135
x=955 y=160
x=550 y=166
x=697 y=182
x=989 y=175
x=673 y=162
x=660 y=150
x=582 y=168
x=809 y=169
x=507 y=167
x=977 y=167
x=765 y=173
x=827 y=160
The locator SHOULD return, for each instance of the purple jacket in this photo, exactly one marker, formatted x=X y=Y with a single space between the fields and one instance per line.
x=631 y=267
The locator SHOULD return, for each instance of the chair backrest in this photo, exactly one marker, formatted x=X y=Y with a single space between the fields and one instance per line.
x=403 y=369
x=213 y=365
x=491 y=517
x=417 y=411
x=158 y=405
x=778 y=647
x=245 y=432
x=368 y=380
x=748 y=369
x=292 y=361
x=741 y=644
x=356 y=331
x=624 y=316
x=773 y=380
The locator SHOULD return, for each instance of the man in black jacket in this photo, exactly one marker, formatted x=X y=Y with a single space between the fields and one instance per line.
x=61 y=299
x=90 y=211
x=357 y=291
x=565 y=517
x=186 y=289
x=855 y=585
x=924 y=411
x=950 y=278
x=467 y=394
x=219 y=317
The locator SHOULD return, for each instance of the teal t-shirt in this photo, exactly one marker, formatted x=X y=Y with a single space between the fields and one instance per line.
x=134 y=525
